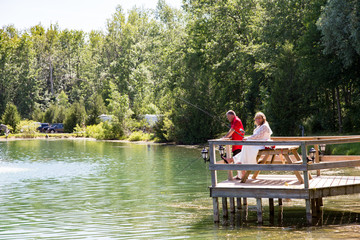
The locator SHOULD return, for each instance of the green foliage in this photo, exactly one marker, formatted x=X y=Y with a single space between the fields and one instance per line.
x=339 y=23
x=75 y=115
x=164 y=130
x=95 y=109
x=139 y=136
x=11 y=116
x=297 y=61
x=27 y=127
x=101 y=131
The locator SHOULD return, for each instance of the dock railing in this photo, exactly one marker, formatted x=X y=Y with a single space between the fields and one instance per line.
x=320 y=162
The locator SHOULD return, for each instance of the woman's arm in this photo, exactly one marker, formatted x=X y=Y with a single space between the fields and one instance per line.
x=259 y=133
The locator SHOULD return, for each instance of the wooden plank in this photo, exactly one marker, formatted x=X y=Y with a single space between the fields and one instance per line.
x=333 y=141
x=259 y=193
x=336 y=158
x=264 y=160
x=255 y=143
x=297 y=174
x=246 y=176
x=329 y=165
x=261 y=167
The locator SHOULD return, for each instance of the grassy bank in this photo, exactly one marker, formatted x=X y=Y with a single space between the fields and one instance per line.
x=133 y=137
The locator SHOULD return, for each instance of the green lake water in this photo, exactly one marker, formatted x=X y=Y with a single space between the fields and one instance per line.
x=84 y=189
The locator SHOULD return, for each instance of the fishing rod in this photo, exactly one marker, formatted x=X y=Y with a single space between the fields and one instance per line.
x=214 y=117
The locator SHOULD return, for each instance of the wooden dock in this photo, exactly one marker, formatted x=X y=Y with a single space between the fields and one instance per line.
x=310 y=188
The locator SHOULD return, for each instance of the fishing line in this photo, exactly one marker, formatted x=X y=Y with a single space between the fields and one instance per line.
x=214 y=117
x=192 y=162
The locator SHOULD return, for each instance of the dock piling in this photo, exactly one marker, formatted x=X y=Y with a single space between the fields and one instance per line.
x=238 y=203
x=259 y=210
x=271 y=206
x=232 y=204
x=216 y=209
x=225 y=207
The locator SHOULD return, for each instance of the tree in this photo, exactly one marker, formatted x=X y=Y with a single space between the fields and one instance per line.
x=11 y=115
x=339 y=23
x=95 y=109
x=75 y=115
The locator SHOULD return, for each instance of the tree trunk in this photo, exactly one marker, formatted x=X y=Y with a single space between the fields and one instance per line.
x=51 y=79
x=339 y=109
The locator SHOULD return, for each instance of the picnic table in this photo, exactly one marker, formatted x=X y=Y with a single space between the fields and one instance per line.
x=268 y=156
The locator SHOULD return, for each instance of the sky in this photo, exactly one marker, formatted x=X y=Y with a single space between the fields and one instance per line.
x=83 y=15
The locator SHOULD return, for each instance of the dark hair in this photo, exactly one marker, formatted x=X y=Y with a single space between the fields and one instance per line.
x=231 y=112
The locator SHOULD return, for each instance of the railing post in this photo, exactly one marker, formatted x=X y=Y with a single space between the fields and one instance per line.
x=317 y=158
x=213 y=161
x=306 y=182
x=214 y=182
x=228 y=155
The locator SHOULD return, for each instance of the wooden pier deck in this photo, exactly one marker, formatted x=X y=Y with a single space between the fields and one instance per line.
x=287 y=186
x=284 y=157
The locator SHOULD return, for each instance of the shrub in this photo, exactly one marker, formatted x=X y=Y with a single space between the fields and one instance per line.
x=11 y=116
x=27 y=127
x=139 y=136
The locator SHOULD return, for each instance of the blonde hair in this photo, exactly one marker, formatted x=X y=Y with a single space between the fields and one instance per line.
x=262 y=115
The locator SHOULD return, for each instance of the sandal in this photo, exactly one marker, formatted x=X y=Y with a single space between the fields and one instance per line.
x=223 y=158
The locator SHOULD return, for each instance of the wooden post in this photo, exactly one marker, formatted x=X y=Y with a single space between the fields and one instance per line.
x=317 y=158
x=216 y=209
x=213 y=161
x=214 y=182
x=271 y=206
x=225 y=208
x=306 y=183
x=308 y=211
x=313 y=207
x=321 y=203
x=238 y=203
x=304 y=158
x=318 y=205
x=259 y=210
x=280 y=201
x=232 y=204
x=245 y=201
x=228 y=155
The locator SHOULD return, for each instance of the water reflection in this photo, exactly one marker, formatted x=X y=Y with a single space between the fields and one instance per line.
x=79 y=189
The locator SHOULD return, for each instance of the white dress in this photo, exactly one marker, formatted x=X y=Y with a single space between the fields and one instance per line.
x=248 y=153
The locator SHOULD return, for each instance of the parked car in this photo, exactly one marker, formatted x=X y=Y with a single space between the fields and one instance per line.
x=43 y=127
x=56 y=128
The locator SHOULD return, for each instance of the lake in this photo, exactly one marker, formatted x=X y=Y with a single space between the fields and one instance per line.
x=86 y=189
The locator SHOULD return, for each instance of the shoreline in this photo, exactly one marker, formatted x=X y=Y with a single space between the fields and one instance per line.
x=64 y=137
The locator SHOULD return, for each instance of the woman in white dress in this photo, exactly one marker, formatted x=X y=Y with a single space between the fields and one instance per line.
x=249 y=152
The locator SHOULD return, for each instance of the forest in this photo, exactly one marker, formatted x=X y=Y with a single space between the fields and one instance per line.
x=298 y=61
